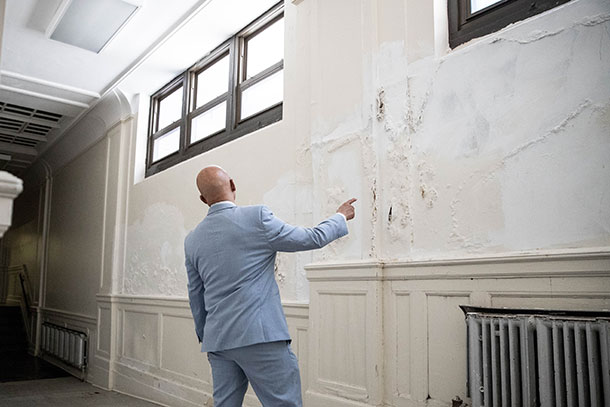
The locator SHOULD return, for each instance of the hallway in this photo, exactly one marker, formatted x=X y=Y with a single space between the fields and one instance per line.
x=474 y=134
x=63 y=391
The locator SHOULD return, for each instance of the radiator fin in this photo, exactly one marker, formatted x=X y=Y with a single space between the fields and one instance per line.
x=535 y=361
x=68 y=345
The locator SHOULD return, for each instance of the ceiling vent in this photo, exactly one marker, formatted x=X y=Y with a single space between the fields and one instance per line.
x=90 y=25
x=25 y=126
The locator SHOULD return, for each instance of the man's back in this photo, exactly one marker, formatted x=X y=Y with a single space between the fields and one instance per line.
x=233 y=252
x=233 y=295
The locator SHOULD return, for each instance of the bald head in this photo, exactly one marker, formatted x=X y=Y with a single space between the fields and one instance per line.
x=215 y=185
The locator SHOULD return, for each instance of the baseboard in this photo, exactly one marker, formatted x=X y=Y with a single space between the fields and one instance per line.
x=313 y=398
x=156 y=389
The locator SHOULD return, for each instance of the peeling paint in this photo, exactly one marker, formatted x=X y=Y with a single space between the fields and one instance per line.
x=483 y=176
x=380 y=105
x=333 y=145
x=426 y=175
x=537 y=35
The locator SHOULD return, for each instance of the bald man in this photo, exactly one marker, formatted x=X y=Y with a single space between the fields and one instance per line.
x=233 y=295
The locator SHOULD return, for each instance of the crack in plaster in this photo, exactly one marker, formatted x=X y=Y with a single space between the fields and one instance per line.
x=380 y=103
x=412 y=122
x=335 y=144
x=336 y=195
x=399 y=156
x=426 y=174
x=369 y=157
x=468 y=243
x=538 y=35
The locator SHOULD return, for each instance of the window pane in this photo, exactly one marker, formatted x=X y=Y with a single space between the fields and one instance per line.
x=262 y=95
x=265 y=49
x=213 y=82
x=476 y=5
x=170 y=109
x=166 y=144
x=209 y=122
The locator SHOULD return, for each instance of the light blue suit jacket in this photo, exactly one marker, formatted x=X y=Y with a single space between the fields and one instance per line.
x=230 y=258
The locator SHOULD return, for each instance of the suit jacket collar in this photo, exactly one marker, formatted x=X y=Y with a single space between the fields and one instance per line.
x=218 y=206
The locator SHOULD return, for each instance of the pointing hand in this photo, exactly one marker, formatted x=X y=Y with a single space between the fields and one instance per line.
x=347 y=209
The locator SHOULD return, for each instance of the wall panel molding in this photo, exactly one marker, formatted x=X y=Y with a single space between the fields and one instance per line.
x=420 y=348
x=170 y=368
x=73 y=316
x=97 y=369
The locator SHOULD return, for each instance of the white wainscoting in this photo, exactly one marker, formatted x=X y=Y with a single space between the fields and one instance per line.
x=156 y=353
x=393 y=333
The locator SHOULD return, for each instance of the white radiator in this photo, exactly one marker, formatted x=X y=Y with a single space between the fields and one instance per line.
x=68 y=345
x=538 y=358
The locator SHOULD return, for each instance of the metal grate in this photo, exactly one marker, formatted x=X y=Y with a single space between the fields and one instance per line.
x=27 y=112
x=24 y=122
x=533 y=358
x=22 y=126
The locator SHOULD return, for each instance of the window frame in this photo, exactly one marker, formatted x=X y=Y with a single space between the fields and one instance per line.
x=464 y=25
x=235 y=127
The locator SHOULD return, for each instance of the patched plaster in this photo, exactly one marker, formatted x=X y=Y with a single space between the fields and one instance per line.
x=155 y=253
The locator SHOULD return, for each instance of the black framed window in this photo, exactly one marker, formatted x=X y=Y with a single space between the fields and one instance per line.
x=469 y=19
x=236 y=89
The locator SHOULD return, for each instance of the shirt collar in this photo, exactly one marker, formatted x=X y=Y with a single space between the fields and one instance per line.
x=221 y=205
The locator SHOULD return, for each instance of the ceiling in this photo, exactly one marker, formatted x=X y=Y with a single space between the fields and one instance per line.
x=47 y=86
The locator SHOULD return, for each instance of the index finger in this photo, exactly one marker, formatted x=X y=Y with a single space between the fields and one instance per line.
x=351 y=201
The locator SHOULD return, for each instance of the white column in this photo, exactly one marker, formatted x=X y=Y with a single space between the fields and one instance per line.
x=10 y=188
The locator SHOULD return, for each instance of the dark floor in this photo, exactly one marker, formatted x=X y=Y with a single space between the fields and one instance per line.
x=15 y=362
x=19 y=365
x=62 y=392
x=27 y=381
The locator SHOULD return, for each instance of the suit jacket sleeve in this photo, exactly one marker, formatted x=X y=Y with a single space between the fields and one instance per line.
x=287 y=238
x=196 y=300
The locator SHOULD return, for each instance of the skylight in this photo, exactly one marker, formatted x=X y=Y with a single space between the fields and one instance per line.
x=90 y=24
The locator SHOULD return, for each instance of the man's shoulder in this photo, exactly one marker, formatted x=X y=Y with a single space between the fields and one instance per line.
x=189 y=237
x=251 y=209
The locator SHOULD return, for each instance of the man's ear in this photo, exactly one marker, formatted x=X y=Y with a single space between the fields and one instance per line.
x=203 y=199
x=233 y=189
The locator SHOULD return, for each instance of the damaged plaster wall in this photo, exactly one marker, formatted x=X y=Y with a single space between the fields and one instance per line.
x=271 y=166
x=510 y=139
x=500 y=146
x=165 y=207
x=496 y=147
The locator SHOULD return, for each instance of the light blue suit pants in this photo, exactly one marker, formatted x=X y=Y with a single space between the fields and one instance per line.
x=271 y=368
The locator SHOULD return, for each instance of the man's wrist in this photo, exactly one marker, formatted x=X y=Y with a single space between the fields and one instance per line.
x=344 y=217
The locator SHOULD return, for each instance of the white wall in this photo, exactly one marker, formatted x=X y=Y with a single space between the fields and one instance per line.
x=75 y=233
x=489 y=149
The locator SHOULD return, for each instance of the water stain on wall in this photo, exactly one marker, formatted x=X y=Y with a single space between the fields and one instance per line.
x=155 y=253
